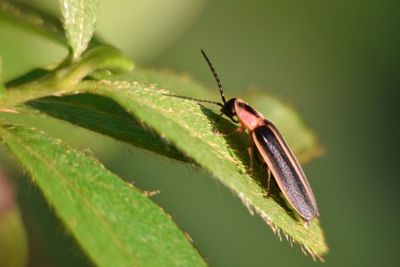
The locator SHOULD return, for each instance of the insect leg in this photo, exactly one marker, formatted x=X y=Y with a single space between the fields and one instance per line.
x=219 y=117
x=268 y=180
x=237 y=130
x=266 y=184
x=252 y=149
x=260 y=160
x=251 y=152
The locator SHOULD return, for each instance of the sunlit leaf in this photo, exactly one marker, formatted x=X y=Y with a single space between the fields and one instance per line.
x=115 y=223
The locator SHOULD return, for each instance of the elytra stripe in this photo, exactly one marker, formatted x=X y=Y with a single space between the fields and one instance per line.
x=286 y=170
x=292 y=158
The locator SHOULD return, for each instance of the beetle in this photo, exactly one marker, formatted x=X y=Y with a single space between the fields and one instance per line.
x=274 y=151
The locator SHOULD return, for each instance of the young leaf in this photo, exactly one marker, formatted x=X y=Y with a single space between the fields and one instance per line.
x=115 y=223
x=79 y=17
x=192 y=128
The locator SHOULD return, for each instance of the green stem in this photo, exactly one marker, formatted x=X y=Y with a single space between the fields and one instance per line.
x=66 y=76
x=24 y=93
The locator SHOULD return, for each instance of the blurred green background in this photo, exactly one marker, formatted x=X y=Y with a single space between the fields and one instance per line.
x=337 y=62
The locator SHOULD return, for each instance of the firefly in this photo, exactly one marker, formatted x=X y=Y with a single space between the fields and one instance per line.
x=275 y=152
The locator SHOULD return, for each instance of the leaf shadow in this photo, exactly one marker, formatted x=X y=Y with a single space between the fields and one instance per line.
x=104 y=116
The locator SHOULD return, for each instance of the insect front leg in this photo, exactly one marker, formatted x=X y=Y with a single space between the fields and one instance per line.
x=237 y=130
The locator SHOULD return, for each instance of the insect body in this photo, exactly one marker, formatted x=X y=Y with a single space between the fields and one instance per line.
x=274 y=151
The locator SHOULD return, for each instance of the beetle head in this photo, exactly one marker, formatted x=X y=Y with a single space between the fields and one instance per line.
x=228 y=109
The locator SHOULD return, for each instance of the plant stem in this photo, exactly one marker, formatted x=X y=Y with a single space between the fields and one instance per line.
x=66 y=76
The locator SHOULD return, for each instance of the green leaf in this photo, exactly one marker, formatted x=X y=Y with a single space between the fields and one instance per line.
x=192 y=128
x=104 y=116
x=301 y=139
x=79 y=17
x=115 y=223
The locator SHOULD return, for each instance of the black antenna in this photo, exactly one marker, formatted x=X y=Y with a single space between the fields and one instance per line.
x=221 y=90
x=196 y=100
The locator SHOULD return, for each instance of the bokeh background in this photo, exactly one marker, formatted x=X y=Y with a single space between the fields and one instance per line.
x=337 y=62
